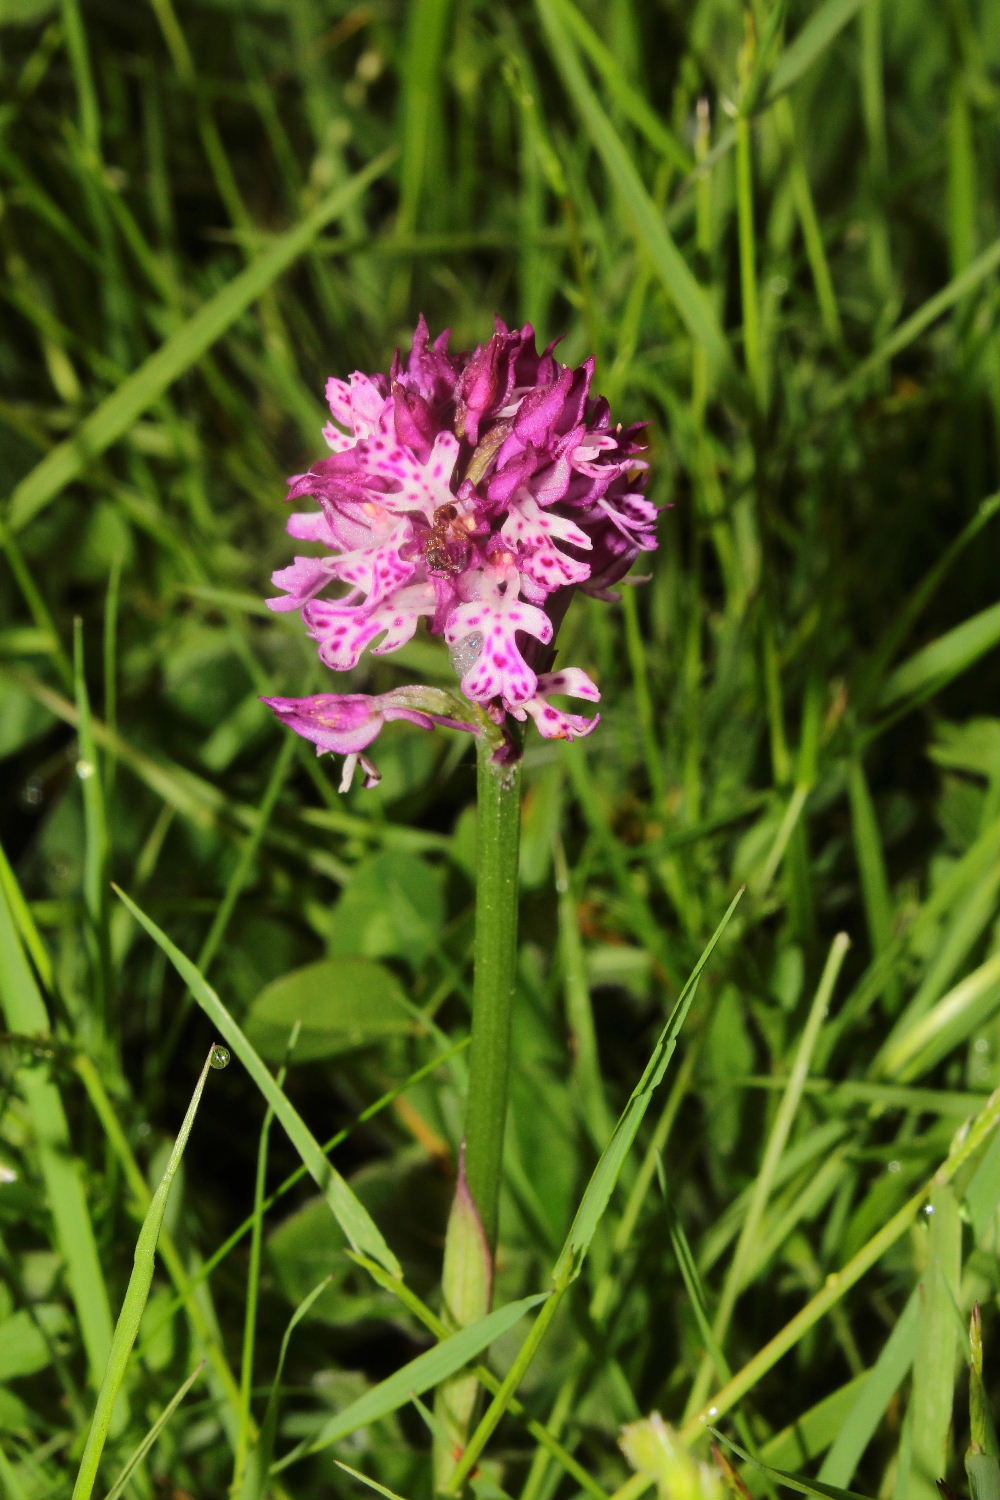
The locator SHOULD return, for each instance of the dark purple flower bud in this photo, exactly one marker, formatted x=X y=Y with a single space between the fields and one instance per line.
x=414 y=421
x=482 y=389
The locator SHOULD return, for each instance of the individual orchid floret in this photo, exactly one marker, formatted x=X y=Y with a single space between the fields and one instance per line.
x=347 y=723
x=475 y=492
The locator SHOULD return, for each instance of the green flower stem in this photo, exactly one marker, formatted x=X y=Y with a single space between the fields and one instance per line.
x=498 y=829
x=471 y=1236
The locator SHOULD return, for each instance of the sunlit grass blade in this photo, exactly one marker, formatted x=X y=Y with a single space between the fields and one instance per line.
x=972 y=1141
x=192 y=1295
x=969 y=1004
x=742 y=1265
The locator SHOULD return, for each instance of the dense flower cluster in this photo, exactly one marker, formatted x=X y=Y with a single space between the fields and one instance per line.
x=475 y=491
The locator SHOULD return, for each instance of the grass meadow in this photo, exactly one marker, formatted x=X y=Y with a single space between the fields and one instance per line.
x=774 y=226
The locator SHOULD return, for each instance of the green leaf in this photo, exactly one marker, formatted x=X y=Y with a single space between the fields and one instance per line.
x=408 y=1194
x=339 y=1003
x=307 y=1245
x=972 y=747
x=27 y=1338
x=393 y=906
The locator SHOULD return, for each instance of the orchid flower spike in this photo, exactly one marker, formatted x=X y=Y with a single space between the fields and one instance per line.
x=475 y=492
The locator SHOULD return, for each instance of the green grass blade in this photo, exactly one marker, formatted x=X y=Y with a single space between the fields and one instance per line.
x=11 y=1481
x=741 y=1266
x=90 y=773
x=26 y=1015
x=118 y=1488
x=938 y=1330
x=794 y=1482
x=935 y=307
x=134 y=1303
x=880 y=1385
x=354 y=1219
x=421 y=1374
x=421 y=126
x=870 y=857
x=116 y=414
x=955 y=1017
x=931 y=668
x=971 y=1142
x=692 y=304
x=605 y=1176
x=253 y=1484
x=623 y=94
x=812 y=1431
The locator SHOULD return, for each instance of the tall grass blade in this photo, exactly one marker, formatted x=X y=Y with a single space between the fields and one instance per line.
x=116 y=414
x=354 y=1219
x=134 y=1303
x=26 y=1015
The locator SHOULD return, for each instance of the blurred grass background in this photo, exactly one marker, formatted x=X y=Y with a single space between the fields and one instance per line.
x=775 y=228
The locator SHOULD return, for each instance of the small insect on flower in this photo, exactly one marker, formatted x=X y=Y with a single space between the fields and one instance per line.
x=443 y=547
x=477 y=492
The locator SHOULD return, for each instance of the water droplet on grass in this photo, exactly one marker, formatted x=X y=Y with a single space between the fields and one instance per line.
x=220 y=1056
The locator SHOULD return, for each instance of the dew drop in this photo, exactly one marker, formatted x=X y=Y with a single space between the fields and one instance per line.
x=895 y=1166
x=928 y=1209
x=713 y=1411
x=465 y=653
x=220 y=1056
x=7 y=1173
x=32 y=793
x=84 y=769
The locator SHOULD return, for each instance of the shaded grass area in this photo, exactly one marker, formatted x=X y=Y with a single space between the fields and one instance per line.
x=775 y=231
